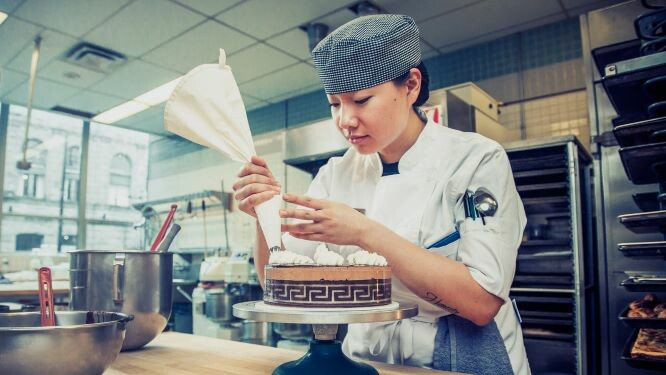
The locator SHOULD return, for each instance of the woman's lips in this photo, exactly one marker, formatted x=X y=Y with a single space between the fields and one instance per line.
x=356 y=140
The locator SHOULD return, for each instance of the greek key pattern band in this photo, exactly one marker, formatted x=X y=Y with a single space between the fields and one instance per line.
x=342 y=293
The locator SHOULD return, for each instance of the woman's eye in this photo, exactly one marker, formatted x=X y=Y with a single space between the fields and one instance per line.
x=361 y=101
x=334 y=105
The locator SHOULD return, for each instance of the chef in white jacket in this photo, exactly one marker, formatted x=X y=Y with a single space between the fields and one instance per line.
x=405 y=190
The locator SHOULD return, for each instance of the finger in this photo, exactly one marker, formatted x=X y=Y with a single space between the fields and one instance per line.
x=301 y=227
x=292 y=213
x=258 y=160
x=318 y=237
x=302 y=200
x=254 y=179
x=254 y=200
x=249 y=168
x=252 y=189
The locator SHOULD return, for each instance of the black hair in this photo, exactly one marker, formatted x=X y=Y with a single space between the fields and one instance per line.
x=424 y=93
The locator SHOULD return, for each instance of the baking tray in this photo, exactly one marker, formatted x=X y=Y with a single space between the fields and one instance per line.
x=645 y=222
x=540 y=333
x=615 y=52
x=641 y=132
x=546 y=314
x=547 y=205
x=542 y=299
x=643 y=363
x=559 y=280
x=540 y=173
x=539 y=162
x=547 y=321
x=641 y=322
x=558 y=263
x=634 y=249
x=648 y=201
x=644 y=164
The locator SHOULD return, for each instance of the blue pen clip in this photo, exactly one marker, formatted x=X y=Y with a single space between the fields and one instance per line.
x=450 y=238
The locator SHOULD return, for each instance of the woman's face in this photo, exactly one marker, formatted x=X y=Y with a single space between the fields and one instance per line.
x=373 y=119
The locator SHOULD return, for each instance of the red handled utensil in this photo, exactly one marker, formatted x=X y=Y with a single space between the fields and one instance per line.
x=163 y=230
x=46 y=297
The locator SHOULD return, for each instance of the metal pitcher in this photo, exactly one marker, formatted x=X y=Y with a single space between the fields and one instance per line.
x=129 y=281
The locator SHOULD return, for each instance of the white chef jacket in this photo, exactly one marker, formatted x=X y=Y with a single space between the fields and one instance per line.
x=423 y=203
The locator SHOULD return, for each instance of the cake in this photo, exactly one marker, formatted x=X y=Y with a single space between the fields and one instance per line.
x=297 y=281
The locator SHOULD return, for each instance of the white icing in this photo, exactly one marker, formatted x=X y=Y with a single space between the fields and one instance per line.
x=365 y=258
x=288 y=257
x=325 y=257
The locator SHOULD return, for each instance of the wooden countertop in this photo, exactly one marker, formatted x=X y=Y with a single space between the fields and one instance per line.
x=178 y=353
x=29 y=288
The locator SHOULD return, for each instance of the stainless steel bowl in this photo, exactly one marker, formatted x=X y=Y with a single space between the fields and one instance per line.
x=133 y=282
x=82 y=342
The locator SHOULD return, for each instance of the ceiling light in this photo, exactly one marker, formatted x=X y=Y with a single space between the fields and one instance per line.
x=120 y=112
x=3 y=17
x=159 y=94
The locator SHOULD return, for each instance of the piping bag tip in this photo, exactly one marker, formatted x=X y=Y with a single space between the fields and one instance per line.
x=268 y=214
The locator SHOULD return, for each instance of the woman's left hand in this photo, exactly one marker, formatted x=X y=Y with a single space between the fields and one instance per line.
x=327 y=221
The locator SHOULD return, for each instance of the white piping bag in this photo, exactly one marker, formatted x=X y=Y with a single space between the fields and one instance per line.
x=206 y=108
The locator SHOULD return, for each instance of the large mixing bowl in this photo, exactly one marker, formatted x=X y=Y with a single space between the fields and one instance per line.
x=133 y=282
x=82 y=342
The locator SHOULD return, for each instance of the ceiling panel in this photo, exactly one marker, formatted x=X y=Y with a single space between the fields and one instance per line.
x=7 y=6
x=294 y=42
x=15 y=35
x=88 y=101
x=47 y=94
x=262 y=18
x=575 y=11
x=425 y=9
x=256 y=61
x=304 y=90
x=143 y=25
x=290 y=79
x=9 y=80
x=209 y=7
x=337 y=19
x=58 y=15
x=250 y=102
x=53 y=45
x=72 y=75
x=198 y=46
x=494 y=15
x=133 y=79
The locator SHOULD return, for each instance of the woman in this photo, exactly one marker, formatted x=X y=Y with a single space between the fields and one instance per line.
x=410 y=177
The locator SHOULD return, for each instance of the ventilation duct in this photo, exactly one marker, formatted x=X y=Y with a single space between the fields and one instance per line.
x=94 y=57
x=316 y=32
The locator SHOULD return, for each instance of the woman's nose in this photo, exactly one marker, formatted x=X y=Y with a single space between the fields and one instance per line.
x=347 y=119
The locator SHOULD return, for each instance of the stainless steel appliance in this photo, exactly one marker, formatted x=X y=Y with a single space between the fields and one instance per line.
x=82 y=342
x=133 y=282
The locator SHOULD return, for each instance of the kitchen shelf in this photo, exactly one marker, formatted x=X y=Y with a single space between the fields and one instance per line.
x=544 y=263
x=540 y=333
x=638 y=249
x=520 y=280
x=643 y=363
x=538 y=163
x=543 y=299
x=546 y=314
x=539 y=173
x=641 y=132
x=645 y=164
x=545 y=243
x=645 y=222
x=645 y=284
x=548 y=321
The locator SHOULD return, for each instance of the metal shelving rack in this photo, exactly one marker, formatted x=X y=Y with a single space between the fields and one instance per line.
x=553 y=286
x=623 y=187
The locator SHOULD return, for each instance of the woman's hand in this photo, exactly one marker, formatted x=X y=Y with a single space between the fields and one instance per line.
x=255 y=185
x=326 y=221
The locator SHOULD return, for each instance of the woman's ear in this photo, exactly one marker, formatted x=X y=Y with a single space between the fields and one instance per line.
x=413 y=84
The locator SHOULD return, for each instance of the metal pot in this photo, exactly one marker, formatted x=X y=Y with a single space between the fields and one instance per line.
x=293 y=331
x=220 y=302
x=82 y=342
x=129 y=281
x=255 y=332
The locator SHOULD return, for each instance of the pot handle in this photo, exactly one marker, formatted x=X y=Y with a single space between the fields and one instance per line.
x=117 y=285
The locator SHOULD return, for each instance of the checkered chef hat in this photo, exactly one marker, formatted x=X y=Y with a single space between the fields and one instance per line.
x=366 y=52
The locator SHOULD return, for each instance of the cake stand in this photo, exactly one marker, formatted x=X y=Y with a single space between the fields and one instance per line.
x=325 y=355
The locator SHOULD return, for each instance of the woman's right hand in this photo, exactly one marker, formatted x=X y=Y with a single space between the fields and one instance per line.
x=255 y=185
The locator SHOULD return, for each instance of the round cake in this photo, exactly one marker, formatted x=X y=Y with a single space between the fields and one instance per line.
x=327 y=286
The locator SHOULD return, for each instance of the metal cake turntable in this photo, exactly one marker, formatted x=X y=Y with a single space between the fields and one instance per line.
x=325 y=355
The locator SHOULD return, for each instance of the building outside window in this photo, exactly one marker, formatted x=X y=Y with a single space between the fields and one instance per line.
x=120 y=181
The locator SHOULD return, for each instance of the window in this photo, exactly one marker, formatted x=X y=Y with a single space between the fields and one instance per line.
x=28 y=241
x=71 y=189
x=73 y=157
x=120 y=181
x=31 y=181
